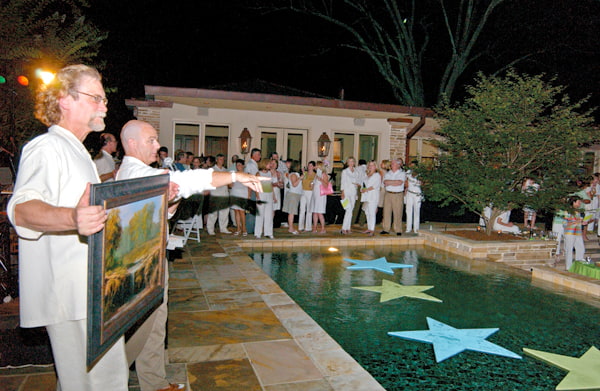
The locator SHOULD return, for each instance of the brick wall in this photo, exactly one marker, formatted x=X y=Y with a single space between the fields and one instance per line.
x=150 y=115
x=398 y=141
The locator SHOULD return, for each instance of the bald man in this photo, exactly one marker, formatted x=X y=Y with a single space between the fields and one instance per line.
x=140 y=142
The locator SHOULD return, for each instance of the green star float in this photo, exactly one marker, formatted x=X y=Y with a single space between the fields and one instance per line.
x=390 y=290
x=584 y=372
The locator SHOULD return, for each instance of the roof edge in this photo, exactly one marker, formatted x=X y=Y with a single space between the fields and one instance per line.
x=281 y=99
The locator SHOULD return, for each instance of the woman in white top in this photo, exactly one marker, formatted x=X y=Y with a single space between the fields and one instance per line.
x=319 y=202
x=370 y=196
x=239 y=196
x=350 y=180
x=293 y=195
x=264 y=216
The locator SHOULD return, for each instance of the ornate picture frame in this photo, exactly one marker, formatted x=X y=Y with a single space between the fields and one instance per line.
x=126 y=275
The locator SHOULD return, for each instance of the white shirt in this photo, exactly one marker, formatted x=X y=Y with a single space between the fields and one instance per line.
x=190 y=181
x=295 y=189
x=350 y=179
x=394 y=176
x=251 y=167
x=414 y=184
x=221 y=190
x=361 y=173
x=55 y=168
x=373 y=181
x=105 y=164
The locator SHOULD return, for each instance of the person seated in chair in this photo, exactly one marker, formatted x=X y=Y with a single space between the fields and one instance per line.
x=503 y=224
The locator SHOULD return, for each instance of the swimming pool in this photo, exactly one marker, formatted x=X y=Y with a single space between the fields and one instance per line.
x=474 y=294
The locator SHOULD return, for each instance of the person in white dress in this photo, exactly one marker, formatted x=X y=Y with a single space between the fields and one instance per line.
x=277 y=179
x=218 y=202
x=370 y=196
x=264 y=216
x=305 y=214
x=319 y=202
x=350 y=182
x=239 y=196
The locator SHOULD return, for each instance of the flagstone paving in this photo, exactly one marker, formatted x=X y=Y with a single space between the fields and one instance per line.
x=232 y=328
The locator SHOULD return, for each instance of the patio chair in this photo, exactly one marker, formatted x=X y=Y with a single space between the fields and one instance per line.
x=187 y=227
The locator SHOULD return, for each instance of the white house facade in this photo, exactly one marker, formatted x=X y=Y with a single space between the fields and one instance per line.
x=207 y=122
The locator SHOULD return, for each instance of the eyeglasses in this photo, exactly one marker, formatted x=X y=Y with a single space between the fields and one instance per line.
x=96 y=98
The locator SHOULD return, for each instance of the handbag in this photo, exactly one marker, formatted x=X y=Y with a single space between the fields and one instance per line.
x=327 y=189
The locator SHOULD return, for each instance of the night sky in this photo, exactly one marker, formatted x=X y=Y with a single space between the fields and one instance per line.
x=201 y=44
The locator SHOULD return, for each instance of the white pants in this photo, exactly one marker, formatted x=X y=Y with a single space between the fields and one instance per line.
x=413 y=211
x=211 y=220
x=573 y=242
x=69 y=342
x=305 y=214
x=264 y=218
x=370 y=209
x=347 y=222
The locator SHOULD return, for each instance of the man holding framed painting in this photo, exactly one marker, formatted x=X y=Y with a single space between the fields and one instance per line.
x=140 y=141
x=52 y=216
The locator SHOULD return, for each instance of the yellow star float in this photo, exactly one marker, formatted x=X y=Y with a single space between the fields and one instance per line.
x=390 y=290
x=584 y=372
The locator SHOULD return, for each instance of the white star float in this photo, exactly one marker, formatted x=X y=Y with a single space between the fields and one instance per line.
x=448 y=341
x=380 y=264
x=390 y=290
x=584 y=372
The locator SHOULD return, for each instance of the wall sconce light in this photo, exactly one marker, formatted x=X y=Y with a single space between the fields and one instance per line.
x=323 y=144
x=245 y=141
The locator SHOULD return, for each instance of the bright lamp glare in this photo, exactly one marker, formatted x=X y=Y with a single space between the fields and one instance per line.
x=46 y=76
x=332 y=250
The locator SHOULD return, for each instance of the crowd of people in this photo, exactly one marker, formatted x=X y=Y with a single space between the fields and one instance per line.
x=571 y=226
x=295 y=195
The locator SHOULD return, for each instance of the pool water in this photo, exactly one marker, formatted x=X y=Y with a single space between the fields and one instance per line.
x=474 y=294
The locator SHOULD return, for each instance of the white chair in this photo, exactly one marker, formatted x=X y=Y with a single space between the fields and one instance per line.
x=190 y=226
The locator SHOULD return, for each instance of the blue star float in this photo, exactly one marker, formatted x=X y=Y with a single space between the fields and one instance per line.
x=380 y=264
x=448 y=341
x=390 y=290
x=584 y=372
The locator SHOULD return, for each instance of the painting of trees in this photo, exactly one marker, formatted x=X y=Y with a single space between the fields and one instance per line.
x=131 y=255
x=113 y=231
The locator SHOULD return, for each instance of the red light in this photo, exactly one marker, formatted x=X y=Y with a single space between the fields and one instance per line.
x=22 y=80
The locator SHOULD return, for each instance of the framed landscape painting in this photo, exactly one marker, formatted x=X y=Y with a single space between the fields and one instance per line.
x=126 y=260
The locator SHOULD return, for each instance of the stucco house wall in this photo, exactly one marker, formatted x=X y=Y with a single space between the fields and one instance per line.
x=390 y=123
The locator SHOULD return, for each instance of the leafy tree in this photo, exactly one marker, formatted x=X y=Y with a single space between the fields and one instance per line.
x=141 y=226
x=113 y=231
x=508 y=129
x=36 y=34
